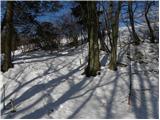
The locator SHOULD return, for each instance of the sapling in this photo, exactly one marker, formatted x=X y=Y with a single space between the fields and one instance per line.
x=130 y=76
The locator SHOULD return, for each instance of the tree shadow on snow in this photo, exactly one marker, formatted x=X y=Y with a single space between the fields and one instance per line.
x=46 y=72
x=52 y=106
x=42 y=87
x=109 y=105
x=34 y=57
x=92 y=90
x=139 y=100
x=104 y=60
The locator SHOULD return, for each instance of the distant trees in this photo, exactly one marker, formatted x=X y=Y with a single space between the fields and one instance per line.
x=7 y=63
x=42 y=34
x=47 y=36
x=69 y=28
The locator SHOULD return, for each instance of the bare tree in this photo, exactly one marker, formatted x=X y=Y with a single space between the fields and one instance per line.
x=131 y=18
x=148 y=5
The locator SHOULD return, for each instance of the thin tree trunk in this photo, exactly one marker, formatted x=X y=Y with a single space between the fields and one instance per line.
x=7 y=63
x=103 y=47
x=152 y=39
x=131 y=17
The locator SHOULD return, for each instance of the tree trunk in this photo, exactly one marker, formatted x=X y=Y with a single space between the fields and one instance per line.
x=152 y=39
x=131 y=17
x=93 y=61
x=113 y=60
x=103 y=46
x=114 y=35
x=7 y=63
x=75 y=40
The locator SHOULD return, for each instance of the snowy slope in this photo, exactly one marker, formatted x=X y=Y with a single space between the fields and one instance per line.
x=44 y=85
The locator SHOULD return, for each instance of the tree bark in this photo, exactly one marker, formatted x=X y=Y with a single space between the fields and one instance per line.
x=7 y=63
x=131 y=18
x=114 y=35
x=93 y=60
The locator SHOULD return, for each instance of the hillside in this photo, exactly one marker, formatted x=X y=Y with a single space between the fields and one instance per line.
x=43 y=85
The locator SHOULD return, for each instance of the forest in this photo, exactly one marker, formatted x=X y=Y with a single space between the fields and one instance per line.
x=79 y=59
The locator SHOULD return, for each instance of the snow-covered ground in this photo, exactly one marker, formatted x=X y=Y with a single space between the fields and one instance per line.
x=43 y=85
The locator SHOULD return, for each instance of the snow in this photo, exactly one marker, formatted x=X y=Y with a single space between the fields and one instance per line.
x=44 y=85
